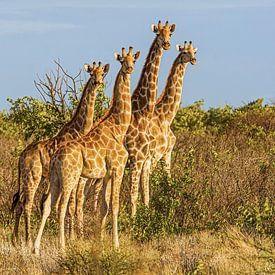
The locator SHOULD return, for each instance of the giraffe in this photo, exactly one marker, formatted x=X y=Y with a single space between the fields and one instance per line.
x=162 y=139
x=98 y=155
x=33 y=165
x=143 y=103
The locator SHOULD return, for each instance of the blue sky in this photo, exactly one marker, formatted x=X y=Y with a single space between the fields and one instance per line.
x=235 y=40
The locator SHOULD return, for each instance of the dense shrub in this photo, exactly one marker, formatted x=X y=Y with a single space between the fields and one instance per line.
x=223 y=174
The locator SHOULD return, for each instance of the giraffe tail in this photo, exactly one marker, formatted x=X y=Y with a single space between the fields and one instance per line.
x=16 y=196
x=44 y=197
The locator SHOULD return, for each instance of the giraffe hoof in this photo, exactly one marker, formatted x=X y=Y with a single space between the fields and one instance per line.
x=36 y=251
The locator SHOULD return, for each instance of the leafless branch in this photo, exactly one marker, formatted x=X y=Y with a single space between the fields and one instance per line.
x=57 y=87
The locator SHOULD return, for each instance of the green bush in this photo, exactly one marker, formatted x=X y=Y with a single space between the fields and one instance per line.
x=257 y=217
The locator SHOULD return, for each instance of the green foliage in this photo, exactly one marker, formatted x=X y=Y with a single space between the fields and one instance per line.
x=36 y=118
x=102 y=102
x=257 y=217
x=218 y=119
x=190 y=118
x=247 y=118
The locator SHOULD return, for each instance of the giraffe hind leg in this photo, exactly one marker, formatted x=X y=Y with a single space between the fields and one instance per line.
x=29 y=193
x=18 y=213
x=50 y=202
x=62 y=208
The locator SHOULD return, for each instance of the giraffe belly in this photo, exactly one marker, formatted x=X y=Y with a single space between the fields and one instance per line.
x=92 y=170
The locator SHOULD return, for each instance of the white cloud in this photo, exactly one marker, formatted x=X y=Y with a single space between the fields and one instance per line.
x=21 y=26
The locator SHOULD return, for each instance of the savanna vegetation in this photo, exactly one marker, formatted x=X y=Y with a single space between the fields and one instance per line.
x=215 y=215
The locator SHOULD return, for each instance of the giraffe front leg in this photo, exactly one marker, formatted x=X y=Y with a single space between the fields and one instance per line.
x=145 y=177
x=71 y=213
x=168 y=154
x=167 y=159
x=96 y=188
x=117 y=176
x=135 y=172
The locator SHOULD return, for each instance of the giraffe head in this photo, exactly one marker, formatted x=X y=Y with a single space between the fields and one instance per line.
x=97 y=74
x=127 y=60
x=164 y=33
x=187 y=53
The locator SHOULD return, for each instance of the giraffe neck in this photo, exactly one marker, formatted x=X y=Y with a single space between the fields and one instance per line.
x=119 y=112
x=121 y=104
x=83 y=117
x=169 y=101
x=144 y=96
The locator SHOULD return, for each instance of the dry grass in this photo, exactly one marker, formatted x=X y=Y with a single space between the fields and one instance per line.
x=228 y=252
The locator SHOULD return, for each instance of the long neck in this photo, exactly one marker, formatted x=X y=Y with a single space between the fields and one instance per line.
x=169 y=101
x=121 y=111
x=144 y=96
x=82 y=120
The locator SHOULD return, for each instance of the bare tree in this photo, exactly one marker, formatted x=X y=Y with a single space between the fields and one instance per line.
x=59 y=89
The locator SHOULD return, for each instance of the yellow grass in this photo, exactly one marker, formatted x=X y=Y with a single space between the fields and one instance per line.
x=227 y=252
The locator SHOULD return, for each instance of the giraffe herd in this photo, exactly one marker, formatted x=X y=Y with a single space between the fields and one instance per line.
x=134 y=128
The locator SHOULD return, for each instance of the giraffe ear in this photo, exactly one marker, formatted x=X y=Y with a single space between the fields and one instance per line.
x=172 y=28
x=195 y=50
x=117 y=56
x=137 y=55
x=154 y=28
x=106 y=68
x=178 y=46
x=87 y=68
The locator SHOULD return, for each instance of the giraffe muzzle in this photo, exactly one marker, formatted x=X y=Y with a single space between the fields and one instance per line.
x=130 y=70
x=166 y=45
x=193 y=61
